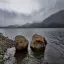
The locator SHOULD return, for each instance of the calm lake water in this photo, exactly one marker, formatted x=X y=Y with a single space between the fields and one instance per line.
x=54 y=52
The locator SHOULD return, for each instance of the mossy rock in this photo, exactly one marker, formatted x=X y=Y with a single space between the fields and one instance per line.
x=1 y=58
x=20 y=38
x=1 y=61
x=1 y=54
x=21 y=42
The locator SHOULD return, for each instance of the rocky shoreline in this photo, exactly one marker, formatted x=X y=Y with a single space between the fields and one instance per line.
x=5 y=43
x=20 y=43
x=1 y=54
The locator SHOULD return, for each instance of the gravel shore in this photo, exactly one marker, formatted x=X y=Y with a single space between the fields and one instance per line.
x=5 y=43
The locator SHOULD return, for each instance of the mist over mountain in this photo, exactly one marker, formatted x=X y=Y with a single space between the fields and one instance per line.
x=20 y=12
x=54 y=21
x=12 y=18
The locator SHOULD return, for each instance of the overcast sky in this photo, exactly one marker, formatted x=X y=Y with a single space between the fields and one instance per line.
x=23 y=11
x=21 y=6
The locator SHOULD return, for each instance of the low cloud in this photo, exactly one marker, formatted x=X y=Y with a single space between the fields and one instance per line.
x=27 y=11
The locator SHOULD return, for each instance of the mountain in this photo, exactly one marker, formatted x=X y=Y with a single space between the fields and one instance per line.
x=56 y=25
x=54 y=21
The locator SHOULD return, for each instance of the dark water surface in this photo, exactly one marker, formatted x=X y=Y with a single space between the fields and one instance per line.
x=54 y=52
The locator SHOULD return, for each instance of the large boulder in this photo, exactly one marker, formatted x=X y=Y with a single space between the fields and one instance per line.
x=21 y=43
x=38 y=43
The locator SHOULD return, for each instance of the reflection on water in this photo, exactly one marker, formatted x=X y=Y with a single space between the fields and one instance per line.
x=54 y=52
x=36 y=58
x=21 y=57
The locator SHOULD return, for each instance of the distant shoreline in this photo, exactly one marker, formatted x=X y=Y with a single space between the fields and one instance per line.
x=31 y=27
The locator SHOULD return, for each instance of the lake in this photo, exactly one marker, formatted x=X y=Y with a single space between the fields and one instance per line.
x=54 y=52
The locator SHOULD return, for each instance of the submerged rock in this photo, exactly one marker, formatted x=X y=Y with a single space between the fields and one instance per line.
x=38 y=43
x=21 y=43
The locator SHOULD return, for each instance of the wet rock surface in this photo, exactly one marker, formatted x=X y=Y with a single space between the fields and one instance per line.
x=21 y=43
x=54 y=52
x=1 y=54
x=5 y=43
x=10 y=55
x=38 y=43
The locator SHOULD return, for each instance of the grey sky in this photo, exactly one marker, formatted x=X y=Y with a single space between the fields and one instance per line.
x=23 y=11
x=24 y=6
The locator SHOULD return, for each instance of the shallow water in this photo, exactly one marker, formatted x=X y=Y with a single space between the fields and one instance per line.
x=54 y=52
